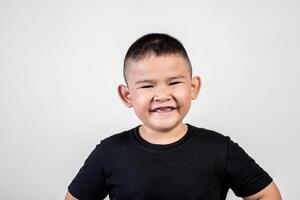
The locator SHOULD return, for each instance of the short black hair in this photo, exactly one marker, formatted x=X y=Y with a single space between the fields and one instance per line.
x=155 y=43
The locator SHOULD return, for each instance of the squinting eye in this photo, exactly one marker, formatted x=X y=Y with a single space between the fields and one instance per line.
x=147 y=86
x=174 y=83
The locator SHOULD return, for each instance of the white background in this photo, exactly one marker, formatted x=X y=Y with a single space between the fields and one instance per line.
x=61 y=62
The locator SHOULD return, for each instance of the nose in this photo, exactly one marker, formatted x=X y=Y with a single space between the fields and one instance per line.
x=162 y=94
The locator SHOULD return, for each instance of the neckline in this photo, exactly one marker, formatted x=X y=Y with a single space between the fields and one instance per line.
x=161 y=147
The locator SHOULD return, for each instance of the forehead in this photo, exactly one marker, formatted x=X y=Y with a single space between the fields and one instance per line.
x=158 y=67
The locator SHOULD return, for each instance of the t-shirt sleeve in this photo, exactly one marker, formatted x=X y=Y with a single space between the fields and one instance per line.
x=89 y=183
x=243 y=175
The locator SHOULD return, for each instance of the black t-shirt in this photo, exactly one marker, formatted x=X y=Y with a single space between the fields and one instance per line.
x=202 y=165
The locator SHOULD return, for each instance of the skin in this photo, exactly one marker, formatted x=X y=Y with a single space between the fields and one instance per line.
x=270 y=192
x=69 y=196
x=160 y=90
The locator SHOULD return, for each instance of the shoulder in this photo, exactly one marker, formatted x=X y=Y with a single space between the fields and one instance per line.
x=210 y=142
x=117 y=137
x=115 y=142
x=209 y=136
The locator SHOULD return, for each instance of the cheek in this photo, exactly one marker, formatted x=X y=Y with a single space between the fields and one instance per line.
x=182 y=94
x=141 y=101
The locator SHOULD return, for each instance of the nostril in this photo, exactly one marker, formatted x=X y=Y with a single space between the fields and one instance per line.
x=161 y=98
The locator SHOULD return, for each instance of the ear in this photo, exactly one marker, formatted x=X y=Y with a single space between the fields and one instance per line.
x=124 y=94
x=195 y=87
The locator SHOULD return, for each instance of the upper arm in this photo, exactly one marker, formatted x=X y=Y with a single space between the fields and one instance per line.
x=69 y=196
x=270 y=192
x=89 y=183
x=243 y=175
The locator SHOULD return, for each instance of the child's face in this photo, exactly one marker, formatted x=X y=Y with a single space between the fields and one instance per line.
x=160 y=90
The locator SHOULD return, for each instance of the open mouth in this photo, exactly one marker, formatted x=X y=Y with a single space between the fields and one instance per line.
x=163 y=109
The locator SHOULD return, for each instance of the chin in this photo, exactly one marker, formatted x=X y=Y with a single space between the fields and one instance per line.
x=165 y=126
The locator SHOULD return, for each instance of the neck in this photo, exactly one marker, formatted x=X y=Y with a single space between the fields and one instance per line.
x=163 y=137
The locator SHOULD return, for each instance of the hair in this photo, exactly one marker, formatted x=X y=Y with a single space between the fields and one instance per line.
x=158 y=44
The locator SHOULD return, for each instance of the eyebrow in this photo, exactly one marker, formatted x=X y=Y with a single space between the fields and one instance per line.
x=144 y=81
x=152 y=81
x=176 y=77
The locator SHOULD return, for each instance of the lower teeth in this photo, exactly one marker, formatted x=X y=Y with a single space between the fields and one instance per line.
x=165 y=110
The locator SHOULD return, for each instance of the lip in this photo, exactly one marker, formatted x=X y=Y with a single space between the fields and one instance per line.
x=163 y=109
x=165 y=113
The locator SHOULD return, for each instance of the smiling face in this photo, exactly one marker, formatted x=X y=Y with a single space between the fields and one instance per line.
x=160 y=90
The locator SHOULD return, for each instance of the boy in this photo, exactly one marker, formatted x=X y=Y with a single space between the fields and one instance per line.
x=164 y=158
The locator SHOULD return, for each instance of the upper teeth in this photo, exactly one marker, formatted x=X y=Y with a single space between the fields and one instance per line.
x=167 y=109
